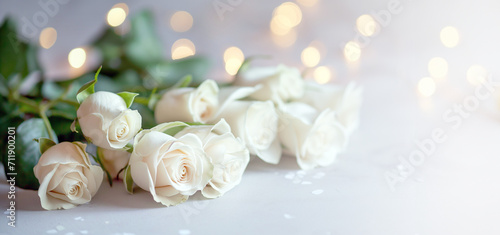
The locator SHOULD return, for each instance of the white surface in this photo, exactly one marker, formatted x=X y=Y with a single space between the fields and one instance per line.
x=455 y=191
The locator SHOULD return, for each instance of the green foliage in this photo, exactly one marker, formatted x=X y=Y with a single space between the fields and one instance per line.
x=127 y=180
x=27 y=152
x=184 y=82
x=128 y=97
x=169 y=73
x=143 y=47
x=45 y=144
x=170 y=128
x=99 y=158
x=17 y=57
x=133 y=63
x=87 y=89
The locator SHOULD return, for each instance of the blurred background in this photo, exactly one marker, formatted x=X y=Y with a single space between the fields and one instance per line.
x=342 y=38
x=424 y=66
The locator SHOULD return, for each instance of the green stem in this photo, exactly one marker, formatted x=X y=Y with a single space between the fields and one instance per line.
x=70 y=102
x=141 y=100
x=32 y=104
x=46 y=122
x=41 y=108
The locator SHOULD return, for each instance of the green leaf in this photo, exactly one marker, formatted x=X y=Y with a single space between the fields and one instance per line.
x=4 y=91
x=27 y=152
x=62 y=127
x=110 y=45
x=74 y=126
x=45 y=144
x=14 y=81
x=87 y=89
x=167 y=74
x=128 y=97
x=12 y=51
x=10 y=116
x=51 y=90
x=17 y=58
x=143 y=46
x=99 y=159
x=128 y=80
x=184 y=82
x=174 y=130
x=127 y=180
x=170 y=128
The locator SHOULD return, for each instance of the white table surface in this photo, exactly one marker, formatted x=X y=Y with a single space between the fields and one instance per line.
x=456 y=190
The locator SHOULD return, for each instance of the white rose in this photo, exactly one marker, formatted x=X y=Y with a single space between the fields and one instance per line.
x=114 y=160
x=314 y=137
x=170 y=169
x=256 y=123
x=66 y=176
x=279 y=84
x=188 y=104
x=344 y=101
x=106 y=120
x=228 y=154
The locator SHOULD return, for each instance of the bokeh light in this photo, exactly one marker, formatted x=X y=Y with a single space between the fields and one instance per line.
x=181 y=21
x=233 y=58
x=290 y=13
x=352 y=51
x=277 y=27
x=366 y=25
x=77 y=57
x=438 y=67
x=449 y=36
x=48 y=37
x=123 y=6
x=322 y=74
x=117 y=14
x=310 y=56
x=426 y=86
x=233 y=52
x=182 y=48
x=285 y=17
x=232 y=66
x=476 y=74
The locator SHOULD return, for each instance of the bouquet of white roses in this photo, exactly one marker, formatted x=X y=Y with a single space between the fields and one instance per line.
x=163 y=134
x=203 y=138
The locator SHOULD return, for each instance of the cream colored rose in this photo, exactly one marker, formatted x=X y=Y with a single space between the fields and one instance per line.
x=106 y=120
x=170 y=169
x=228 y=154
x=66 y=176
x=315 y=138
x=114 y=160
x=279 y=84
x=256 y=123
x=188 y=104
x=345 y=101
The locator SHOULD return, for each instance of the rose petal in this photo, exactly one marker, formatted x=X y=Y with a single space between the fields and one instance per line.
x=98 y=176
x=48 y=202
x=178 y=100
